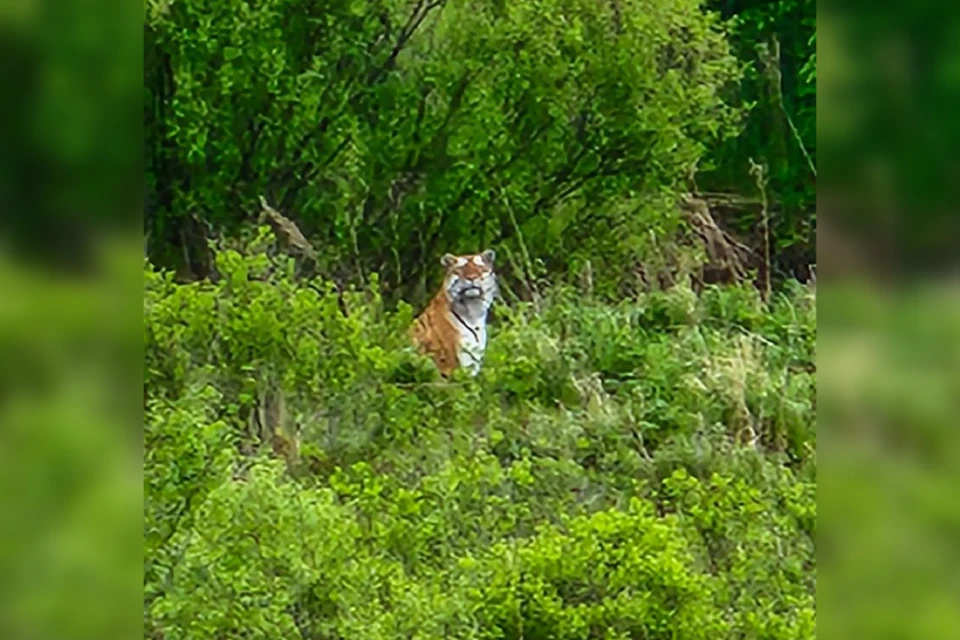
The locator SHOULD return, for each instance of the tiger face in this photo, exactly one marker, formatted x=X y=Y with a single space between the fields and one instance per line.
x=470 y=279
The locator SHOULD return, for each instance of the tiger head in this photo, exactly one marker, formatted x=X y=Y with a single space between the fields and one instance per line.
x=470 y=280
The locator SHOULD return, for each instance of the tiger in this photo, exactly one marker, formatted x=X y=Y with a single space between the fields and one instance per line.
x=453 y=327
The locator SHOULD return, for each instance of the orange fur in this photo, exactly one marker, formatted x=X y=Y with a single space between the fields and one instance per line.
x=434 y=334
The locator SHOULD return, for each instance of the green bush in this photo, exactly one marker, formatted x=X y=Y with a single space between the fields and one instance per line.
x=611 y=575
x=644 y=469
x=394 y=129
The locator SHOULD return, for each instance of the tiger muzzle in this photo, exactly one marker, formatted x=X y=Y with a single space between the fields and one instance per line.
x=471 y=290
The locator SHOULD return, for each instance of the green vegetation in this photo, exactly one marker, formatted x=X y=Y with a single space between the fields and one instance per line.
x=395 y=130
x=637 y=457
x=644 y=469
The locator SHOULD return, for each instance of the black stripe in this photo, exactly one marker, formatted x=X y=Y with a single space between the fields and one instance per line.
x=471 y=329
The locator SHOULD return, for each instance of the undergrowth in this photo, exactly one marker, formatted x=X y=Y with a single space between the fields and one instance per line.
x=639 y=469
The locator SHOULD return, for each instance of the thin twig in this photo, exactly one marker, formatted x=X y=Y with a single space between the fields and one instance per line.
x=759 y=172
x=419 y=385
x=772 y=64
x=529 y=276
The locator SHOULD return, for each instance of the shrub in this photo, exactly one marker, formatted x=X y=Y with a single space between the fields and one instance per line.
x=392 y=129
x=617 y=470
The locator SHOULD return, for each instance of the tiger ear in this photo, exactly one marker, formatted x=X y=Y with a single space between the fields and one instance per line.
x=489 y=256
x=448 y=260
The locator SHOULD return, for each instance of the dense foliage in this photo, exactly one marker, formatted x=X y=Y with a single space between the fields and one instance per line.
x=776 y=40
x=637 y=457
x=637 y=470
x=391 y=130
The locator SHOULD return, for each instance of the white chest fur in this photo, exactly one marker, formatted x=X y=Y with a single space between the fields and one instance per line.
x=472 y=332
